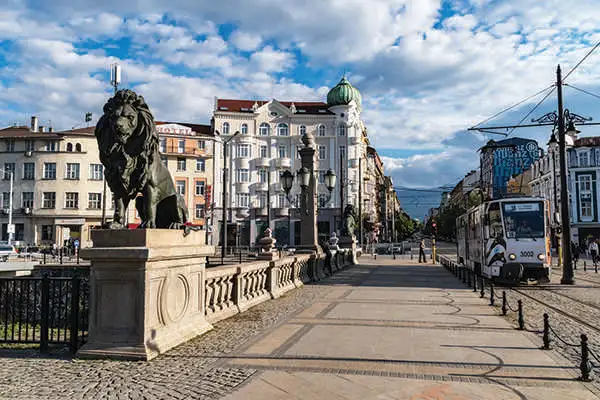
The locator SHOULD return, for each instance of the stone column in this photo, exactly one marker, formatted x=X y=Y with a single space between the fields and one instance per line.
x=146 y=292
x=308 y=205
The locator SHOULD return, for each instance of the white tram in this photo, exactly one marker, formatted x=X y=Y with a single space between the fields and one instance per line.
x=506 y=240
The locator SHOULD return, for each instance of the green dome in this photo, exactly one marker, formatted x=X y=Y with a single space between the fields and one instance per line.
x=343 y=93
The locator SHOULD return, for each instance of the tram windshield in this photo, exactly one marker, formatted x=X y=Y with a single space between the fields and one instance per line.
x=524 y=220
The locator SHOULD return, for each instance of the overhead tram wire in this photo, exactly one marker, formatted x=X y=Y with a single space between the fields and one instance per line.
x=581 y=61
x=582 y=90
x=531 y=111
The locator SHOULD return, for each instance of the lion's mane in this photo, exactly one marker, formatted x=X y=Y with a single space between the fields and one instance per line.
x=126 y=165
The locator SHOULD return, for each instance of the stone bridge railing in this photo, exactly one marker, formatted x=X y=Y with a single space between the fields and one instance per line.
x=233 y=289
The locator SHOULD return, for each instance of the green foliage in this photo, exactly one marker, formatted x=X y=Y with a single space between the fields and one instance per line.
x=405 y=226
x=445 y=222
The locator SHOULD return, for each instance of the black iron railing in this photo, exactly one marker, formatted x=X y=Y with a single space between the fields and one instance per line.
x=44 y=310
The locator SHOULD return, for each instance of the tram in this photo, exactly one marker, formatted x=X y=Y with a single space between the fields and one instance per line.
x=506 y=240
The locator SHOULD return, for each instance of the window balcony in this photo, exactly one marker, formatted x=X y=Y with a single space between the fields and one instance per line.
x=355 y=140
x=261 y=162
x=353 y=163
x=260 y=211
x=260 y=187
x=242 y=163
x=283 y=162
x=242 y=187
x=276 y=187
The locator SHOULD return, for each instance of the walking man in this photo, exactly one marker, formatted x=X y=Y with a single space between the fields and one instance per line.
x=422 y=251
x=594 y=251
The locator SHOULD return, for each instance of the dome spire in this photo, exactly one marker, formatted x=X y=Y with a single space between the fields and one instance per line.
x=343 y=93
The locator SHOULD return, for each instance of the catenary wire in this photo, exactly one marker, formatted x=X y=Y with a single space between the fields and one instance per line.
x=531 y=111
x=583 y=91
x=581 y=61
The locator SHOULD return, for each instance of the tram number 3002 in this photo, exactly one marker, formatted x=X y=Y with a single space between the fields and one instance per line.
x=527 y=254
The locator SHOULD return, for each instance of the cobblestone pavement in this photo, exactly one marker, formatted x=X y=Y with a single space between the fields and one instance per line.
x=190 y=371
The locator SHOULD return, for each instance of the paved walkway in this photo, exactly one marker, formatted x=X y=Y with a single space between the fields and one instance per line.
x=400 y=330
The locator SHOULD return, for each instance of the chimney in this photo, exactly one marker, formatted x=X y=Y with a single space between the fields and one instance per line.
x=41 y=128
x=50 y=129
x=34 y=123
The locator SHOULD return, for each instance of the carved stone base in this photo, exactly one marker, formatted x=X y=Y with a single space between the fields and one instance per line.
x=146 y=292
x=349 y=242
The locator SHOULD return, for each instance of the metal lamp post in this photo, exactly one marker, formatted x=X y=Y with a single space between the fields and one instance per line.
x=224 y=222
x=10 y=229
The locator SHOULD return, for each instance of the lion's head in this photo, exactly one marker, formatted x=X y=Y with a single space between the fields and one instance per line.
x=127 y=141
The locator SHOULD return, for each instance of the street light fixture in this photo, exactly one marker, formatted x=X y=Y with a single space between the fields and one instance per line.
x=224 y=222
x=303 y=174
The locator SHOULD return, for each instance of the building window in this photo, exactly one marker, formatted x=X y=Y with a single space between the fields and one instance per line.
x=322 y=200
x=96 y=171
x=244 y=129
x=243 y=150
x=264 y=129
x=584 y=160
x=322 y=152
x=199 y=211
x=225 y=128
x=180 y=164
x=322 y=130
x=94 y=201
x=69 y=147
x=181 y=146
x=342 y=130
x=29 y=145
x=9 y=168
x=243 y=200
x=48 y=232
x=50 y=171
x=27 y=200
x=78 y=147
x=200 y=165
x=585 y=196
x=162 y=145
x=28 y=171
x=282 y=151
x=72 y=171
x=281 y=200
x=71 y=200
x=242 y=175
x=343 y=151
x=180 y=186
x=262 y=200
x=51 y=145
x=321 y=176
x=283 y=130
x=10 y=145
x=302 y=130
x=5 y=199
x=49 y=200
x=263 y=151
x=262 y=176
x=201 y=144
x=200 y=188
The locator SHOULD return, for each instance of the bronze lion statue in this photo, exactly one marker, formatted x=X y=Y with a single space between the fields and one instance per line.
x=128 y=146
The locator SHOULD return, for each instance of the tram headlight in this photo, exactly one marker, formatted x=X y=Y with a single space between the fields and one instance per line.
x=541 y=257
x=512 y=256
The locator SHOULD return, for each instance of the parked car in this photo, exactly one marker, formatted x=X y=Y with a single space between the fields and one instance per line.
x=7 y=251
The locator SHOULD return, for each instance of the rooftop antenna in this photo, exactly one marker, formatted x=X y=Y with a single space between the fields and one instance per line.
x=115 y=76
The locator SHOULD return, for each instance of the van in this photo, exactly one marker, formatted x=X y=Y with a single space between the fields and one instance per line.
x=6 y=251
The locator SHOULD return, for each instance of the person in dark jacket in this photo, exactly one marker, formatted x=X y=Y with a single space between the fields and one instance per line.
x=575 y=253
x=422 y=251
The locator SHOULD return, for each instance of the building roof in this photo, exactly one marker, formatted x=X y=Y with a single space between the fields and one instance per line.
x=247 y=106
x=343 y=94
x=23 y=132
x=587 y=141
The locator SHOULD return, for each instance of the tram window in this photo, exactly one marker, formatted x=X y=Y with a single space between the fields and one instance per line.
x=524 y=220
x=495 y=221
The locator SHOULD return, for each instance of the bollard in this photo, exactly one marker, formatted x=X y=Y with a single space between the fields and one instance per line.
x=474 y=282
x=492 y=293
x=374 y=256
x=584 y=266
x=464 y=274
x=504 y=310
x=546 y=337
x=521 y=320
x=61 y=254
x=585 y=366
x=482 y=287
x=44 y=257
x=468 y=278
x=596 y=268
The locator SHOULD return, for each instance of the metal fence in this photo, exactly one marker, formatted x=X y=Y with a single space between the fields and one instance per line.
x=44 y=310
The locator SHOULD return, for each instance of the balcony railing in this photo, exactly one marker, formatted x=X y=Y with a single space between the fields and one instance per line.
x=283 y=162
x=186 y=151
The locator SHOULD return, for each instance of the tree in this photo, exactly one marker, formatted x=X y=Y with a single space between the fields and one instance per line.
x=405 y=226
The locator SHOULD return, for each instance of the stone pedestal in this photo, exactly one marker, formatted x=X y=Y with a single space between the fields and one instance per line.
x=349 y=242
x=146 y=292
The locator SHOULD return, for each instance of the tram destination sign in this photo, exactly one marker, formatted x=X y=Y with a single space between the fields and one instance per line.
x=522 y=207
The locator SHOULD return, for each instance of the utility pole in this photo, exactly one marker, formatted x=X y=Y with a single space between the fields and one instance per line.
x=567 y=278
x=360 y=217
x=341 y=189
x=268 y=198
x=224 y=205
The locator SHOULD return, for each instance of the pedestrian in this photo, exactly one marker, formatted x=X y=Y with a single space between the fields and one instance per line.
x=422 y=251
x=594 y=251
x=575 y=253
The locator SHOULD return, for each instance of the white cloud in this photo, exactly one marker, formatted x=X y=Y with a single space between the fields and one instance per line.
x=245 y=41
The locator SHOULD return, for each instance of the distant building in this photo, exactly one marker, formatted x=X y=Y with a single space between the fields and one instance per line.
x=500 y=160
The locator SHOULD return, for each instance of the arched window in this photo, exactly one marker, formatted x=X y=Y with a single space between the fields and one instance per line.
x=225 y=128
x=78 y=147
x=321 y=130
x=69 y=147
x=302 y=130
x=342 y=130
x=264 y=129
x=244 y=129
x=283 y=130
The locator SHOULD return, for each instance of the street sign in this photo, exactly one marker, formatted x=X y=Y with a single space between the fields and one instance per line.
x=10 y=228
x=76 y=243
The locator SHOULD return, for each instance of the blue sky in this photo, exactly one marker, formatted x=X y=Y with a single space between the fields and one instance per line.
x=427 y=69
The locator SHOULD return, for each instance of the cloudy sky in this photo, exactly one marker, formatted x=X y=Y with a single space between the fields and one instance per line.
x=427 y=69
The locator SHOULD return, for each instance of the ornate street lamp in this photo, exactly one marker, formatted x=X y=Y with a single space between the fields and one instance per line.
x=303 y=174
